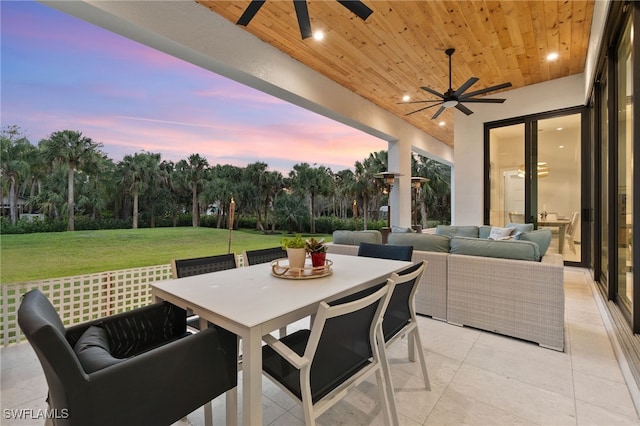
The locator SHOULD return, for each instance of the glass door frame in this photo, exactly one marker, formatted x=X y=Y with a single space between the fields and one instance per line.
x=531 y=160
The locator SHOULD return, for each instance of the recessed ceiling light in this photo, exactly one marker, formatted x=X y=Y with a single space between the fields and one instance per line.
x=318 y=35
x=559 y=128
x=552 y=56
x=561 y=146
x=442 y=123
x=406 y=98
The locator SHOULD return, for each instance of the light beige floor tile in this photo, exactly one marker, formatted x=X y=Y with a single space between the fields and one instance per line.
x=455 y=409
x=513 y=396
x=591 y=415
x=439 y=337
x=287 y=419
x=523 y=361
x=604 y=393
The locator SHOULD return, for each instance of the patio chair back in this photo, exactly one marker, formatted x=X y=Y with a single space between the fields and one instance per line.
x=202 y=265
x=385 y=251
x=255 y=257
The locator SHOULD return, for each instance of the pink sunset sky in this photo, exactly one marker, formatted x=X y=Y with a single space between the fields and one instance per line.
x=59 y=72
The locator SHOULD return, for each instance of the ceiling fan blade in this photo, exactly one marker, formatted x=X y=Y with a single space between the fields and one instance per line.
x=422 y=109
x=303 y=18
x=484 y=100
x=464 y=109
x=433 y=92
x=357 y=7
x=465 y=86
x=250 y=12
x=442 y=108
x=418 y=102
x=488 y=89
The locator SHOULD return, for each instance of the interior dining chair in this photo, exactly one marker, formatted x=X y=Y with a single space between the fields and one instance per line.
x=318 y=367
x=515 y=217
x=201 y=265
x=139 y=367
x=385 y=251
x=255 y=257
x=571 y=231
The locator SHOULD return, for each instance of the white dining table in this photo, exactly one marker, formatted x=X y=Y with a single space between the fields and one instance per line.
x=251 y=302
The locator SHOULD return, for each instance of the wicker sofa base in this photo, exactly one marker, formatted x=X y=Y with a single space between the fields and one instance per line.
x=516 y=298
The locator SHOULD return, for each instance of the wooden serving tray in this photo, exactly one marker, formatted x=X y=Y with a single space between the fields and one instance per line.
x=280 y=268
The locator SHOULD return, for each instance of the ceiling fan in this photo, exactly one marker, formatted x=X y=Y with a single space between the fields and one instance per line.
x=302 y=13
x=456 y=98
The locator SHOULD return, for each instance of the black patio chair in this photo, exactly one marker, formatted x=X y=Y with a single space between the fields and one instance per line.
x=201 y=265
x=135 y=368
x=400 y=317
x=318 y=367
x=385 y=251
x=255 y=257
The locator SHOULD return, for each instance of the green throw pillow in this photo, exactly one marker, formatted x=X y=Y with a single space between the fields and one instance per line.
x=542 y=237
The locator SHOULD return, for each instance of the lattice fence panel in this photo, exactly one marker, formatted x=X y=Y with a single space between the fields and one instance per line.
x=82 y=298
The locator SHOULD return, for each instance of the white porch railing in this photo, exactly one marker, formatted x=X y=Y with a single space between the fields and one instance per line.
x=82 y=298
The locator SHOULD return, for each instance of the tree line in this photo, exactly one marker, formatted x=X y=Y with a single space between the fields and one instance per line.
x=67 y=176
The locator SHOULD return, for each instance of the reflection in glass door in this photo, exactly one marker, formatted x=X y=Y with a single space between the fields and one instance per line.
x=624 y=205
x=506 y=153
x=559 y=183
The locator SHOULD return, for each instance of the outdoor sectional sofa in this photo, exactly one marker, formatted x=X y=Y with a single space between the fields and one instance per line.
x=510 y=287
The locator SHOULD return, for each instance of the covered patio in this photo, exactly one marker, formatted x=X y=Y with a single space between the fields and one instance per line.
x=477 y=378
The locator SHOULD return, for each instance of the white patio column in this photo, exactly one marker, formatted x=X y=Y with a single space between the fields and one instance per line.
x=400 y=197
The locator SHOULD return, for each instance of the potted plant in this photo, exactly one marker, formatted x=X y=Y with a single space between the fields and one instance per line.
x=296 y=252
x=317 y=250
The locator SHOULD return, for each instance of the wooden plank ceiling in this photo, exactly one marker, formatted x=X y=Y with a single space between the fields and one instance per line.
x=400 y=47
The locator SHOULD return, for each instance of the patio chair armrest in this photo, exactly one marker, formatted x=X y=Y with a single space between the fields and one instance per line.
x=285 y=352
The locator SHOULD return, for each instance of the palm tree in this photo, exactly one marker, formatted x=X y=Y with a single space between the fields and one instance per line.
x=137 y=173
x=312 y=181
x=266 y=185
x=15 y=150
x=70 y=148
x=193 y=170
x=437 y=192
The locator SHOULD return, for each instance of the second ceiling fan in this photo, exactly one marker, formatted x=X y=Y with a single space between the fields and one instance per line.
x=456 y=98
x=302 y=13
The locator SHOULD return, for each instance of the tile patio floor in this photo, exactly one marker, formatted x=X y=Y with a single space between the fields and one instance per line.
x=477 y=378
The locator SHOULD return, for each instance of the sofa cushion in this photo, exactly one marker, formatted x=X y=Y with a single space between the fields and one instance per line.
x=400 y=229
x=506 y=249
x=520 y=227
x=457 y=231
x=498 y=233
x=354 y=238
x=93 y=350
x=542 y=237
x=422 y=242
x=484 y=231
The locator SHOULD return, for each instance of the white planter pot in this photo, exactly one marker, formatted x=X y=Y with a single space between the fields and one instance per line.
x=296 y=257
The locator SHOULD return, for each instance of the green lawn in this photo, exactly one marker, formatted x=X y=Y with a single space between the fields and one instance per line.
x=31 y=257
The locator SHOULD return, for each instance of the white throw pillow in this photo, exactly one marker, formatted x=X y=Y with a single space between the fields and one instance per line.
x=500 y=233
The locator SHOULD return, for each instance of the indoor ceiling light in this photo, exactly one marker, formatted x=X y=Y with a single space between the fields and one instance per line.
x=318 y=35
x=406 y=98
x=552 y=56
x=442 y=123
x=543 y=170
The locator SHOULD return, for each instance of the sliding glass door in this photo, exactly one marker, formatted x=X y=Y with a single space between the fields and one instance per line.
x=534 y=175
